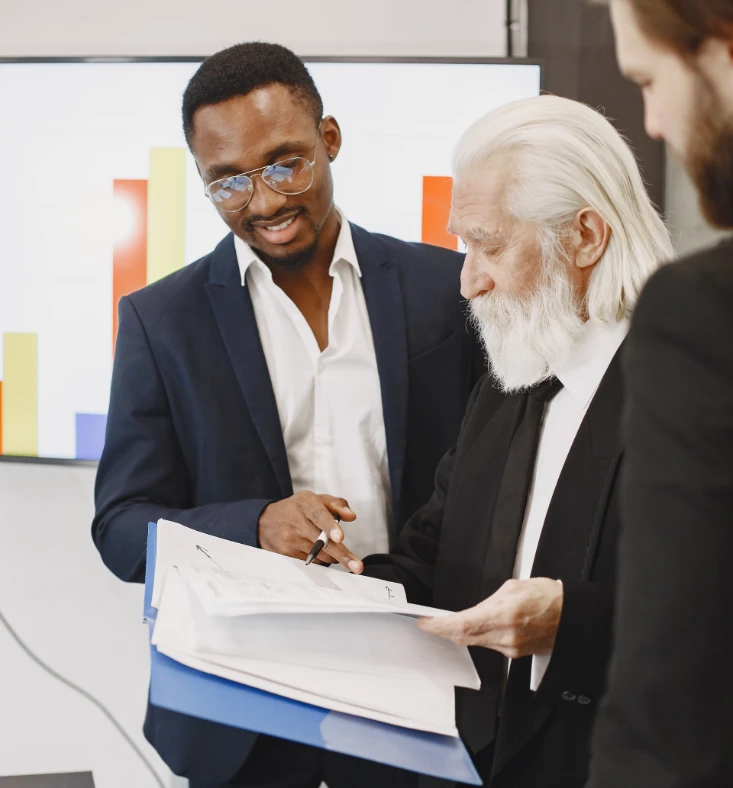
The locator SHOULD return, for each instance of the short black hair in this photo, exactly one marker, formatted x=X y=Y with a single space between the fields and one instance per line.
x=242 y=68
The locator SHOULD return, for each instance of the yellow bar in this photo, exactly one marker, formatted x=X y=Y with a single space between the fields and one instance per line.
x=20 y=394
x=166 y=212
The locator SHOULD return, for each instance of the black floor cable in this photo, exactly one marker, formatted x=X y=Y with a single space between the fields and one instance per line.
x=84 y=694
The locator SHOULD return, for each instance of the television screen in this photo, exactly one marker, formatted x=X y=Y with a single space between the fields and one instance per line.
x=101 y=196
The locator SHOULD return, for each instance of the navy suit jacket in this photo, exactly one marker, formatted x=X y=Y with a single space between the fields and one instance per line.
x=193 y=433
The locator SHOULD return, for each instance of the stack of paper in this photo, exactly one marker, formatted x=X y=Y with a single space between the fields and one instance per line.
x=334 y=640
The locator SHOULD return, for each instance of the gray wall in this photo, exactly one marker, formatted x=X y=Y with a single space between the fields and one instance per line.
x=689 y=229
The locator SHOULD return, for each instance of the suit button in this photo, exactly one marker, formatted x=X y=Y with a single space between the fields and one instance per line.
x=568 y=696
x=584 y=700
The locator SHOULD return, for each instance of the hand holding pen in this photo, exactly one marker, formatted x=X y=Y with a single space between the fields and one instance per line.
x=292 y=526
x=322 y=543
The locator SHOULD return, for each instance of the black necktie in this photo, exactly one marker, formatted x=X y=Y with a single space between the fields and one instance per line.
x=479 y=710
x=511 y=499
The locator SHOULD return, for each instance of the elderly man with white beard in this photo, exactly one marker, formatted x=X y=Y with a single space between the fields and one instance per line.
x=520 y=532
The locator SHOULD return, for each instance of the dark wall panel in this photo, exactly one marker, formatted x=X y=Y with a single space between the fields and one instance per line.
x=575 y=39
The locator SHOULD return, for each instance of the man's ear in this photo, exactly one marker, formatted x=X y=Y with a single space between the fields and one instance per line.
x=590 y=237
x=331 y=133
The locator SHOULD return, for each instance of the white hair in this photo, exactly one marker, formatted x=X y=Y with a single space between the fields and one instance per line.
x=564 y=157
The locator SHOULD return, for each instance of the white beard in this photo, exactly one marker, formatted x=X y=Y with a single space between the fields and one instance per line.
x=525 y=339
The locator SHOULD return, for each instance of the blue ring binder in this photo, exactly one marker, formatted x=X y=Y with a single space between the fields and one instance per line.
x=179 y=688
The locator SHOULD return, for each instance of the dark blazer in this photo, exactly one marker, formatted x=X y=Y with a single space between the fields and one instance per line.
x=193 y=433
x=542 y=737
x=668 y=717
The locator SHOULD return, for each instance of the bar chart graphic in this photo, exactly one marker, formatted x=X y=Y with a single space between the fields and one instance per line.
x=166 y=212
x=112 y=201
x=436 y=201
x=148 y=244
x=130 y=255
x=20 y=395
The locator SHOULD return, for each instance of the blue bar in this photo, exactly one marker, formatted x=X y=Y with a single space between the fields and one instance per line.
x=90 y=428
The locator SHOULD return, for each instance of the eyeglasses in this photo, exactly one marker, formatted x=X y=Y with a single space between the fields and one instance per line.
x=290 y=176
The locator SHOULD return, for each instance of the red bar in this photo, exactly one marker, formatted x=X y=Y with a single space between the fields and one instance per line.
x=436 y=196
x=129 y=259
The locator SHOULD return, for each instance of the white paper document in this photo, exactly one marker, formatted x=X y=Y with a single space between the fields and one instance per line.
x=181 y=546
x=231 y=594
x=337 y=641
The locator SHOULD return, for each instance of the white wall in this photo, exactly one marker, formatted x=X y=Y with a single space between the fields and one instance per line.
x=184 y=27
x=53 y=588
x=80 y=620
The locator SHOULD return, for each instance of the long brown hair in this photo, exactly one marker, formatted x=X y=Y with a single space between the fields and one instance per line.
x=684 y=25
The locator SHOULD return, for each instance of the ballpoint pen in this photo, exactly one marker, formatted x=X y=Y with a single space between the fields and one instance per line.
x=321 y=543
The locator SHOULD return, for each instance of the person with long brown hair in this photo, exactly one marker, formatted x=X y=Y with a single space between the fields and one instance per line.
x=667 y=718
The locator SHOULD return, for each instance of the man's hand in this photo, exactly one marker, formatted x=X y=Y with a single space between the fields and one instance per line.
x=291 y=526
x=520 y=619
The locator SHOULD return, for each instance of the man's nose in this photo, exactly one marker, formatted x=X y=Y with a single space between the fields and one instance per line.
x=474 y=281
x=652 y=121
x=265 y=201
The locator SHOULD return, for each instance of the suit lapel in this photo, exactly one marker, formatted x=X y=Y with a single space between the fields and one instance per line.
x=479 y=467
x=572 y=526
x=234 y=314
x=570 y=537
x=386 y=308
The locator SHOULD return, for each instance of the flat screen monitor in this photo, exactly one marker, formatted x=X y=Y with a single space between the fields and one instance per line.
x=101 y=196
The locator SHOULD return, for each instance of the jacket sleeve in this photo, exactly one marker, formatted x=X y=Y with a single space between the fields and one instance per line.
x=668 y=714
x=579 y=661
x=142 y=474
x=412 y=561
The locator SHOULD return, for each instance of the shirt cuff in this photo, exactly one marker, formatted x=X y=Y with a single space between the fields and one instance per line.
x=539 y=668
x=540 y=663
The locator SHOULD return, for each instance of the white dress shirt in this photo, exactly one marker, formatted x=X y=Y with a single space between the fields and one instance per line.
x=580 y=374
x=329 y=402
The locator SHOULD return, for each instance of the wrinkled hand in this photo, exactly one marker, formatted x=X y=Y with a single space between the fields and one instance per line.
x=291 y=526
x=520 y=619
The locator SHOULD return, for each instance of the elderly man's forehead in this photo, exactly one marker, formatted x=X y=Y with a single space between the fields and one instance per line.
x=483 y=183
x=475 y=232
x=479 y=204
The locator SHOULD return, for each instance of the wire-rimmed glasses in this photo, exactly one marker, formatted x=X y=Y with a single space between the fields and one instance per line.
x=289 y=176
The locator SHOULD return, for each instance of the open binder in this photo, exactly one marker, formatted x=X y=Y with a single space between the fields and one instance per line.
x=179 y=688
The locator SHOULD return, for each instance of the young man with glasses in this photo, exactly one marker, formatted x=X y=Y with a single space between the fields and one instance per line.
x=305 y=370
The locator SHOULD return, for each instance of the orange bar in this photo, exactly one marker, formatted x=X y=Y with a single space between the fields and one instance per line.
x=129 y=258
x=436 y=195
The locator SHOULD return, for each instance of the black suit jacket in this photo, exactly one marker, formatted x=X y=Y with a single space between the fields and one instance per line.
x=668 y=718
x=193 y=433
x=542 y=737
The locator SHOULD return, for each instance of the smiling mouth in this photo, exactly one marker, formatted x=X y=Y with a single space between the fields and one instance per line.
x=279 y=231
x=277 y=227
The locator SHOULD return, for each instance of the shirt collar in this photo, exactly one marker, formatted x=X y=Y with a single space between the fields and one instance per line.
x=582 y=371
x=344 y=252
